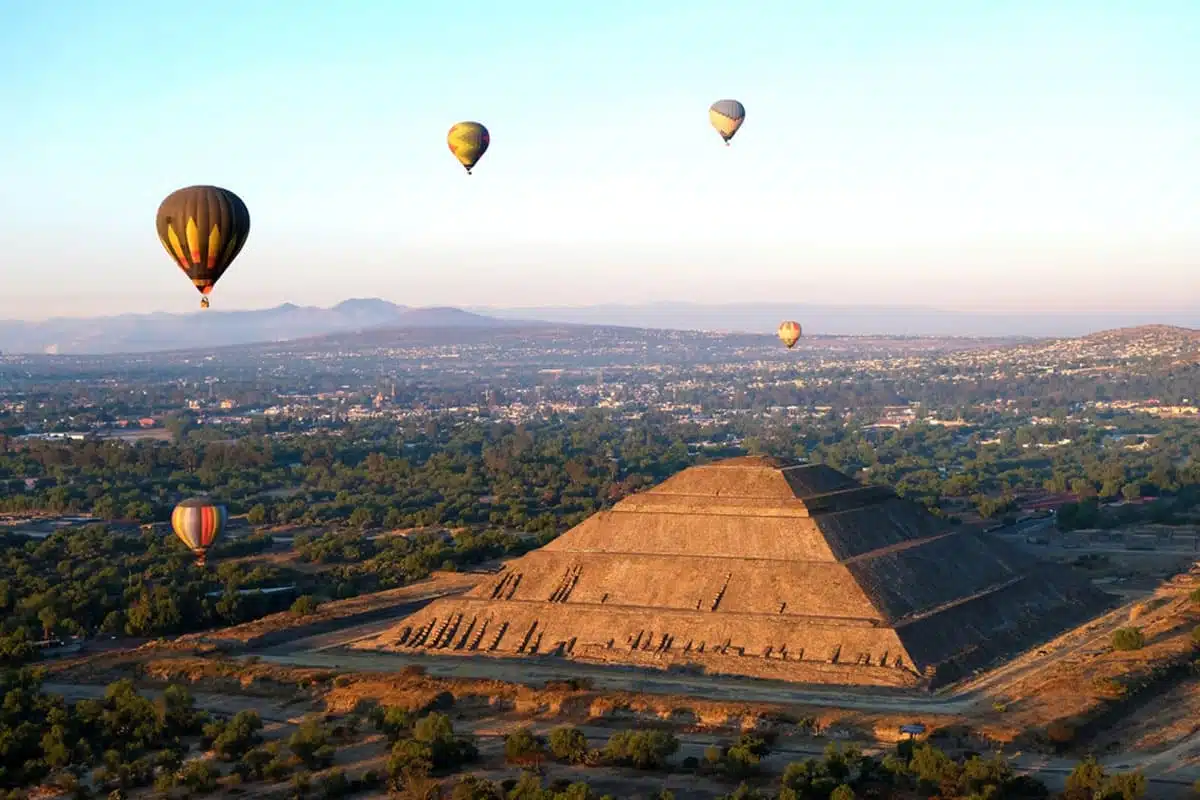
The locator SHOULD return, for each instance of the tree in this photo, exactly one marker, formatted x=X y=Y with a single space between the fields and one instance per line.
x=1085 y=781
x=49 y=620
x=310 y=744
x=522 y=747
x=257 y=514
x=233 y=739
x=648 y=749
x=569 y=744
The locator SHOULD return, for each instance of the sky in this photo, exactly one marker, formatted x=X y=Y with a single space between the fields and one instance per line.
x=965 y=154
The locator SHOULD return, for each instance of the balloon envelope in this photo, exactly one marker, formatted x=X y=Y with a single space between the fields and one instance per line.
x=468 y=142
x=727 y=116
x=203 y=228
x=789 y=333
x=198 y=523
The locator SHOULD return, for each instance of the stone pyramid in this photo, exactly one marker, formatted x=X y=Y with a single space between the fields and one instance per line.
x=763 y=567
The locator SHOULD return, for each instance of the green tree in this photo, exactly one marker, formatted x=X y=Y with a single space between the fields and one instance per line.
x=257 y=515
x=569 y=744
x=522 y=747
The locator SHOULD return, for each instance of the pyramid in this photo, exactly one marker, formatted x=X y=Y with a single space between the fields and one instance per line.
x=768 y=568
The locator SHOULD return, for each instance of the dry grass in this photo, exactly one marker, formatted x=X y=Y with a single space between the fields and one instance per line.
x=1083 y=686
x=409 y=688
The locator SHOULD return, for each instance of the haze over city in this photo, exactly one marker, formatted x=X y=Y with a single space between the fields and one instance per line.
x=1020 y=156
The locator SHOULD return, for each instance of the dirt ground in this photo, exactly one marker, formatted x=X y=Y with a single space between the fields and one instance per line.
x=1093 y=677
x=436 y=585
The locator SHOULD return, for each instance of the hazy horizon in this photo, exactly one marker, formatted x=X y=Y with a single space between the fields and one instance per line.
x=299 y=320
x=1022 y=158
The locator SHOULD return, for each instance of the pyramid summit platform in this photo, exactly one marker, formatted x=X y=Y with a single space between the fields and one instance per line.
x=764 y=567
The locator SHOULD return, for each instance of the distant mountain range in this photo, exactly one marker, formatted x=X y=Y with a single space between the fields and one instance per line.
x=141 y=333
x=845 y=320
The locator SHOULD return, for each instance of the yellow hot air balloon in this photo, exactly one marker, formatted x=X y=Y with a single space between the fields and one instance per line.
x=468 y=142
x=727 y=116
x=198 y=523
x=789 y=333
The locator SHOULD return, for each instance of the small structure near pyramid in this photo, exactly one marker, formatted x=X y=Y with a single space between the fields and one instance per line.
x=762 y=567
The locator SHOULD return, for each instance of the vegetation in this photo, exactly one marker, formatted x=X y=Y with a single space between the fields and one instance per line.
x=1128 y=639
x=124 y=736
x=568 y=743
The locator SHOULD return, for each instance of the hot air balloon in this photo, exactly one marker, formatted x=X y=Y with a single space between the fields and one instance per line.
x=198 y=524
x=468 y=142
x=727 y=116
x=789 y=333
x=203 y=229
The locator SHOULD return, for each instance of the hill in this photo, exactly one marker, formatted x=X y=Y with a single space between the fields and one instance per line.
x=139 y=333
x=843 y=320
x=1147 y=346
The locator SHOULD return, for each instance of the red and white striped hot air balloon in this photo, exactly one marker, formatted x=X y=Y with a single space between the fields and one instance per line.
x=198 y=523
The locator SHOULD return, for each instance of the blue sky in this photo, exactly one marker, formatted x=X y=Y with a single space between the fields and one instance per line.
x=961 y=153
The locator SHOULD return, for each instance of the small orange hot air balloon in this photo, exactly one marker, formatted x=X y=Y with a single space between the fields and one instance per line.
x=789 y=333
x=198 y=523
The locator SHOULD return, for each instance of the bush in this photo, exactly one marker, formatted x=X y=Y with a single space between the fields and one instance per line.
x=199 y=776
x=305 y=605
x=1128 y=639
x=569 y=744
x=334 y=785
x=233 y=739
x=310 y=744
x=1196 y=635
x=522 y=747
x=1194 y=595
x=843 y=792
x=641 y=749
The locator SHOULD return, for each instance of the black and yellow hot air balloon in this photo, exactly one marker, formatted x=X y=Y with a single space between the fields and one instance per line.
x=789 y=333
x=468 y=142
x=727 y=116
x=198 y=523
x=203 y=229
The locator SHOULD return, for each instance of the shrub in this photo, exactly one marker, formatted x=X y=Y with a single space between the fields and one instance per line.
x=310 y=744
x=522 y=747
x=199 y=776
x=569 y=744
x=1194 y=595
x=305 y=605
x=1128 y=639
x=233 y=739
x=641 y=749
x=1196 y=635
